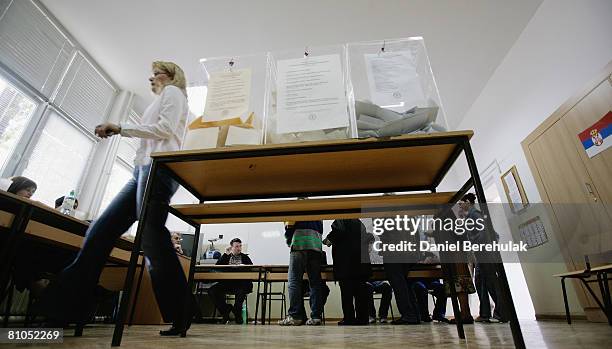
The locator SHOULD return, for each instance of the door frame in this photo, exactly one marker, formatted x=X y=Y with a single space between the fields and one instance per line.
x=569 y=104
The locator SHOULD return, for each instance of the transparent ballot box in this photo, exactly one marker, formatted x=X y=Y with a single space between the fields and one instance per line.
x=394 y=88
x=307 y=96
x=235 y=103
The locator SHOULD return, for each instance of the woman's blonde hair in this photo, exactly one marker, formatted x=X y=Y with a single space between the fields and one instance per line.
x=176 y=74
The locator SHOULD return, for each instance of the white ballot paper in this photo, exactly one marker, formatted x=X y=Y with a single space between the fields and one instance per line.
x=228 y=94
x=239 y=136
x=393 y=80
x=201 y=138
x=311 y=94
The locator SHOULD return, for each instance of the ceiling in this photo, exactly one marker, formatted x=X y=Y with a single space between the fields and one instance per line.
x=466 y=40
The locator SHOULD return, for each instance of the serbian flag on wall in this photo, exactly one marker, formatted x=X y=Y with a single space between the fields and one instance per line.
x=597 y=138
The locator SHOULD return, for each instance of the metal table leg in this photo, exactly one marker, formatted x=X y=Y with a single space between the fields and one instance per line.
x=129 y=278
x=505 y=294
x=568 y=317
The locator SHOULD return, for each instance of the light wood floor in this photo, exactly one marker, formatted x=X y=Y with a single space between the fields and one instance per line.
x=551 y=335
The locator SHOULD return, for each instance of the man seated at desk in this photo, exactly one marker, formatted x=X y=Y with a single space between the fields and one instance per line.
x=239 y=288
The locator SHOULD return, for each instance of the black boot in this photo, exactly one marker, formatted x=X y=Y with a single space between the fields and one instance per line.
x=180 y=326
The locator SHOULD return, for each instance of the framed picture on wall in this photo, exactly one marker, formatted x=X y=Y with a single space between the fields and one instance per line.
x=515 y=193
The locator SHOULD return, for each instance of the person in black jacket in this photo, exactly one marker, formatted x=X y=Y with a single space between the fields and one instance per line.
x=349 y=238
x=240 y=288
x=485 y=275
x=397 y=265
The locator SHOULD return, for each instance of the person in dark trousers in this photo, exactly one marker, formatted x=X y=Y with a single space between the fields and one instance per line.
x=421 y=289
x=239 y=288
x=304 y=240
x=458 y=261
x=352 y=270
x=397 y=265
x=424 y=285
x=163 y=124
x=383 y=288
x=485 y=274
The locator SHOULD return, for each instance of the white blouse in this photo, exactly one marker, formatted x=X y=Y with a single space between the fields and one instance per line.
x=163 y=125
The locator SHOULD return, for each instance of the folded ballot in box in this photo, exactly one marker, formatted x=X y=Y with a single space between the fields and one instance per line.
x=394 y=89
x=307 y=96
x=234 y=107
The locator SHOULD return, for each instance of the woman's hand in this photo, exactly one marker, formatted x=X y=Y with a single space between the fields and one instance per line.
x=107 y=130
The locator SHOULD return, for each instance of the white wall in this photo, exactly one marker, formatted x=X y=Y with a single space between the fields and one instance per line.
x=564 y=46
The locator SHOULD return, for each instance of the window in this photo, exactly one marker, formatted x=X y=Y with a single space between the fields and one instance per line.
x=84 y=94
x=15 y=111
x=123 y=167
x=59 y=159
x=120 y=174
x=127 y=149
x=32 y=46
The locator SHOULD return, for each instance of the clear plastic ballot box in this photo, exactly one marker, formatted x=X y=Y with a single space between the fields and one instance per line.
x=235 y=103
x=307 y=95
x=394 y=88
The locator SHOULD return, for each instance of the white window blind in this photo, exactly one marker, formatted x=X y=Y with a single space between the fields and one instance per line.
x=133 y=117
x=128 y=146
x=127 y=149
x=32 y=46
x=16 y=109
x=59 y=159
x=85 y=94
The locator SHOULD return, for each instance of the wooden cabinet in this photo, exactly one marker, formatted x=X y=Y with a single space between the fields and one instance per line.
x=578 y=188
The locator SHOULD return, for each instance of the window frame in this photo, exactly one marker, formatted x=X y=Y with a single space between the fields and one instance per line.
x=29 y=149
x=22 y=151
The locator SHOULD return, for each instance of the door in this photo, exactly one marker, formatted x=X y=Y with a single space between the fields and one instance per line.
x=587 y=112
x=578 y=187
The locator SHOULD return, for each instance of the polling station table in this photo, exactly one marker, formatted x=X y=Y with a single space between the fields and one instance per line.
x=268 y=181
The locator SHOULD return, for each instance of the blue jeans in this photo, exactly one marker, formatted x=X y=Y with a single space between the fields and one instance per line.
x=300 y=262
x=73 y=293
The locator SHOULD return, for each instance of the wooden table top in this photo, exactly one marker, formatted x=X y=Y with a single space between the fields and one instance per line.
x=394 y=164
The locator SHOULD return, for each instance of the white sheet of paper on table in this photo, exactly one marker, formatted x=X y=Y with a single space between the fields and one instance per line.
x=201 y=138
x=311 y=94
x=393 y=80
x=242 y=136
x=228 y=95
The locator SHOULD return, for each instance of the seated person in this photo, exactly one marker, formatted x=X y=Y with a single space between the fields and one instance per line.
x=421 y=289
x=239 y=288
x=59 y=201
x=176 y=242
x=27 y=273
x=385 y=289
x=20 y=186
